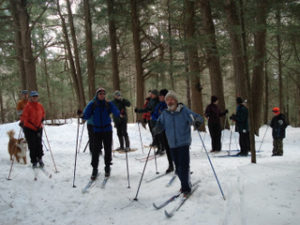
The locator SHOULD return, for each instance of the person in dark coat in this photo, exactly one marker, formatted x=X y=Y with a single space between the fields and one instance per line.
x=162 y=138
x=150 y=108
x=278 y=125
x=214 y=124
x=241 y=126
x=121 y=122
x=100 y=109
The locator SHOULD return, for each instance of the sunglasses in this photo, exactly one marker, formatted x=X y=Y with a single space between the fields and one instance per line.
x=101 y=93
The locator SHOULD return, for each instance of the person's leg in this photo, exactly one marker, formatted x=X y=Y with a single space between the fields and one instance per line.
x=125 y=134
x=184 y=168
x=96 y=148
x=107 y=141
x=120 y=135
x=280 y=146
x=30 y=138
x=211 y=132
x=166 y=147
x=218 y=137
x=91 y=135
x=39 y=146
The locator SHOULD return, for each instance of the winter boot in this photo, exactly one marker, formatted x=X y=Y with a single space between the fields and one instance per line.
x=34 y=165
x=94 y=174
x=170 y=169
x=41 y=163
x=121 y=141
x=107 y=171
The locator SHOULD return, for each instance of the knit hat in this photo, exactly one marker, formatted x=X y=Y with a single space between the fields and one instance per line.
x=239 y=100
x=34 y=93
x=171 y=94
x=117 y=93
x=24 y=92
x=163 y=92
x=213 y=99
x=154 y=92
x=100 y=90
x=276 y=110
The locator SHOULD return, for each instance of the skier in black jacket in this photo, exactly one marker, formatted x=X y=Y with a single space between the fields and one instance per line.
x=241 y=119
x=121 y=122
x=214 y=124
x=278 y=125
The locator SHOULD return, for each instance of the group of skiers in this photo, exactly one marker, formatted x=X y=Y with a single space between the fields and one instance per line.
x=168 y=119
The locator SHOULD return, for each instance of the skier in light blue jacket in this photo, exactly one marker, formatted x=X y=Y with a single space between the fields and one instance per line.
x=176 y=121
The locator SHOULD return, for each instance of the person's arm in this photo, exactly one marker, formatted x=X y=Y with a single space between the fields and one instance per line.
x=159 y=125
x=126 y=102
x=87 y=112
x=114 y=109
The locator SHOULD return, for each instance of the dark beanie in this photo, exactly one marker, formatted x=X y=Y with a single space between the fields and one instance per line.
x=239 y=100
x=213 y=99
x=163 y=92
x=155 y=92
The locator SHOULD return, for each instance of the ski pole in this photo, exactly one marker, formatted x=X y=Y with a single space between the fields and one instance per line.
x=56 y=171
x=86 y=145
x=140 y=183
x=210 y=161
x=262 y=141
x=141 y=137
x=10 y=170
x=82 y=130
x=128 y=179
x=74 y=186
x=155 y=160
x=45 y=146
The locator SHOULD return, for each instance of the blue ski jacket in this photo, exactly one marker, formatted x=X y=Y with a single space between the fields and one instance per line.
x=159 y=108
x=177 y=125
x=99 y=112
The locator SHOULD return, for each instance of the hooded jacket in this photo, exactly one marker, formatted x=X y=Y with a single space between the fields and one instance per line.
x=177 y=125
x=100 y=111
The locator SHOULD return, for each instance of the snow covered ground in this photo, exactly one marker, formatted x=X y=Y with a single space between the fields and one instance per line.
x=256 y=194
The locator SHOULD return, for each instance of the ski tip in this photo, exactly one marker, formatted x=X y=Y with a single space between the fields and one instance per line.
x=168 y=215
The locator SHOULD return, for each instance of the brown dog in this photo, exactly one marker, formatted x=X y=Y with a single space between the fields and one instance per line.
x=17 y=147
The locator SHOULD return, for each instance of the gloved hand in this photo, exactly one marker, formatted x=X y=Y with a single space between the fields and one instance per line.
x=280 y=122
x=21 y=124
x=232 y=117
x=79 y=112
x=197 y=124
x=226 y=111
x=136 y=110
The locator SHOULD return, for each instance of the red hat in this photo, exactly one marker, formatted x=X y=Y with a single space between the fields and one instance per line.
x=276 y=110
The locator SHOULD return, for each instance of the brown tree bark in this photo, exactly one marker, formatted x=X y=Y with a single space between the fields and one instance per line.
x=113 y=44
x=18 y=44
x=259 y=59
x=279 y=59
x=89 y=49
x=234 y=29
x=2 y=107
x=266 y=102
x=76 y=54
x=70 y=56
x=171 y=61
x=138 y=55
x=25 y=33
x=212 y=55
x=192 y=52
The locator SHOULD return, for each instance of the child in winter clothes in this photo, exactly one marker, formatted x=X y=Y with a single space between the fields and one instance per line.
x=278 y=125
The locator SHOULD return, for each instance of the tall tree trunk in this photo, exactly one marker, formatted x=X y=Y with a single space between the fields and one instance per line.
x=76 y=54
x=138 y=55
x=171 y=61
x=234 y=29
x=25 y=31
x=18 y=44
x=266 y=105
x=113 y=44
x=192 y=52
x=70 y=56
x=89 y=49
x=278 y=40
x=259 y=59
x=187 y=80
x=1 y=107
x=212 y=55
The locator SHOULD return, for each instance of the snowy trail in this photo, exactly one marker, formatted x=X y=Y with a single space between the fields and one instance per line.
x=256 y=194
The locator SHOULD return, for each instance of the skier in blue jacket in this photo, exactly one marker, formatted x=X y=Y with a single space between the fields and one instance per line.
x=176 y=121
x=100 y=109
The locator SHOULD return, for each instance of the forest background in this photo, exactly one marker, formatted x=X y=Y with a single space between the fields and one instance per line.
x=67 y=49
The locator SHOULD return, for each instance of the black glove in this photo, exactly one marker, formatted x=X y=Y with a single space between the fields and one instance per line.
x=136 y=110
x=232 y=117
x=79 y=112
x=21 y=124
x=226 y=111
x=197 y=124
